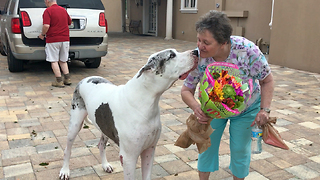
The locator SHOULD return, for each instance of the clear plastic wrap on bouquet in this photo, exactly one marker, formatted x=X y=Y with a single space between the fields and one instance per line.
x=222 y=92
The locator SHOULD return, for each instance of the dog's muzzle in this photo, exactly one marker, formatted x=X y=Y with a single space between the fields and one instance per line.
x=195 y=52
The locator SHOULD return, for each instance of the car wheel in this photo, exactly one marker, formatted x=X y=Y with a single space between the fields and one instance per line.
x=14 y=65
x=2 y=52
x=93 y=63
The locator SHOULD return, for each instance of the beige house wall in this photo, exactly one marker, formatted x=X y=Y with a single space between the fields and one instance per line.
x=295 y=35
x=255 y=25
x=113 y=14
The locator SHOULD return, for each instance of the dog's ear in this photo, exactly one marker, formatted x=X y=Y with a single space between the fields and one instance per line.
x=157 y=62
x=145 y=68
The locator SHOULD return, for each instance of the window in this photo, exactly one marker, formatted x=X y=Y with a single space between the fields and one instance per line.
x=11 y=8
x=189 y=6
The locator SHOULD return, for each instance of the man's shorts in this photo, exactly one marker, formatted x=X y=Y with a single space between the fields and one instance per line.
x=57 y=51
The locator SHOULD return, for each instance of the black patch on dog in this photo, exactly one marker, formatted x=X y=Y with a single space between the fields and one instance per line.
x=104 y=119
x=97 y=80
x=158 y=62
x=77 y=101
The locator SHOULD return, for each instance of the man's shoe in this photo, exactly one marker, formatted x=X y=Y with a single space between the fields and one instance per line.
x=58 y=84
x=67 y=82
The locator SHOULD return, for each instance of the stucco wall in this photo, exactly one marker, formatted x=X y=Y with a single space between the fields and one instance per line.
x=113 y=14
x=295 y=35
x=255 y=25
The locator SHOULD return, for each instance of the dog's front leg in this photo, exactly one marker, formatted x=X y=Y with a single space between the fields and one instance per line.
x=147 y=157
x=129 y=164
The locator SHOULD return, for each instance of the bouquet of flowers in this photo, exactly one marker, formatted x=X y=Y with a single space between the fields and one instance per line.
x=221 y=91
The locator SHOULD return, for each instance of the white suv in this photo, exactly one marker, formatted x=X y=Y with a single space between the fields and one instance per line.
x=21 y=23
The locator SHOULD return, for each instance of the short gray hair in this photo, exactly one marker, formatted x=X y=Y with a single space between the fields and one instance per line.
x=217 y=23
x=52 y=0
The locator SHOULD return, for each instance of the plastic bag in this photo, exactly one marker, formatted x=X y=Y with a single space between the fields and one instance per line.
x=196 y=133
x=271 y=136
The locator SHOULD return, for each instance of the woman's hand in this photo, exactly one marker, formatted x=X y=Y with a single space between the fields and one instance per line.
x=187 y=95
x=261 y=119
x=201 y=116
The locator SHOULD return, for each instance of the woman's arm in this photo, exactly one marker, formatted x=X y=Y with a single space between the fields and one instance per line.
x=267 y=87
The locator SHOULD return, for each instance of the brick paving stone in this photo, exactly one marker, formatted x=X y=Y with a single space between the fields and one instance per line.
x=189 y=155
x=279 y=174
x=16 y=160
x=166 y=149
x=18 y=152
x=81 y=172
x=263 y=166
x=183 y=176
x=4 y=145
x=174 y=149
x=51 y=174
x=303 y=172
x=88 y=177
x=174 y=167
x=166 y=158
x=17 y=170
x=157 y=172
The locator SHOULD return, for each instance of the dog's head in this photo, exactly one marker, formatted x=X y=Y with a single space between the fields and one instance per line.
x=170 y=64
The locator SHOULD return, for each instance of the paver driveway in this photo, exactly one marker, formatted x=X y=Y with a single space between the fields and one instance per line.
x=34 y=119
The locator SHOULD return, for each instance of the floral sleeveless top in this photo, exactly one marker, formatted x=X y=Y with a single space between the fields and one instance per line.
x=247 y=56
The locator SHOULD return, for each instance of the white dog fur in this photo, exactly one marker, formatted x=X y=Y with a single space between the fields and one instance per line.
x=127 y=114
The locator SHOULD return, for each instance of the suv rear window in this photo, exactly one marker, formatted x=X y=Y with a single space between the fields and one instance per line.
x=84 y=4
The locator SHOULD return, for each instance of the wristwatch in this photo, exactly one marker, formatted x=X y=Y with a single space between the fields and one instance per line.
x=267 y=110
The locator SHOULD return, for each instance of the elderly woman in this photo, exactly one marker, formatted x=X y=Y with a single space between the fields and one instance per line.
x=215 y=44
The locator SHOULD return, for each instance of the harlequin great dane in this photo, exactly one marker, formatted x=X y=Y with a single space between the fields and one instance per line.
x=127 y=114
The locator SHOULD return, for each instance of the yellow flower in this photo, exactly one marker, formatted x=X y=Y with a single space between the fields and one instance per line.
x=218 y=90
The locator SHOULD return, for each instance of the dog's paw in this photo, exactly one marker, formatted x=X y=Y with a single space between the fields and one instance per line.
x=64 y=174
x=107 y=168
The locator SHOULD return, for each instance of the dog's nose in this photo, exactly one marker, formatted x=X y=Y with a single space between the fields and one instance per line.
x=195 y=52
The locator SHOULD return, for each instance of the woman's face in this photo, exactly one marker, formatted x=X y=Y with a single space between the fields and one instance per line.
x=207 y=45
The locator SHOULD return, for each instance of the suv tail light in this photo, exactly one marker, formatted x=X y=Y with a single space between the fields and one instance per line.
x=103 y=21
x=25 y=19
x=15 y=26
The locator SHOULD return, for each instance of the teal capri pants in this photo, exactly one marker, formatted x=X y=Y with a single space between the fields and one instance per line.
x=240 y=143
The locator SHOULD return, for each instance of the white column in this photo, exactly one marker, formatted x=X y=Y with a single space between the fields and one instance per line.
x=169 y=19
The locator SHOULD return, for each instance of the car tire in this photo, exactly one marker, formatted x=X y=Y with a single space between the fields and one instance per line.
x=2 y=52
x=14 y=65
x=93 y=63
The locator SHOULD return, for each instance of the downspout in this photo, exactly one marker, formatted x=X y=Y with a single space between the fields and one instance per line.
x=123 y=16
x=270 y=24
x=169 y=20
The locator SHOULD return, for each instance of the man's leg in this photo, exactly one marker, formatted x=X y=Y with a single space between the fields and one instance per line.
x=52 y=55
x=64 y=55
x=64 y=67
x=56 y=70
